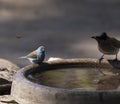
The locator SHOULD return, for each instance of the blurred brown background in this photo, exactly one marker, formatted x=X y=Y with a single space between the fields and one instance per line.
x=64 y=27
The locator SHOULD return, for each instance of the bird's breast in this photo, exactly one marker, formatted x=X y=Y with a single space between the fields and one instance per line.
x=107 y=48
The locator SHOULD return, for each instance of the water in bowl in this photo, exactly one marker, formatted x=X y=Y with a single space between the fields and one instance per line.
x=72 y=78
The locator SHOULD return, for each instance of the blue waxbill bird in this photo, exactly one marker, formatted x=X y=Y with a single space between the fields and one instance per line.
x=36 y=56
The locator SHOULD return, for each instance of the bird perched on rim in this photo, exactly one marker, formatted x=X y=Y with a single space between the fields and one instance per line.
x=36 y=56
x=107 y=45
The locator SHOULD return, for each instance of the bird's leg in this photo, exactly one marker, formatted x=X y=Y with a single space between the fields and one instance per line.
x=99 y=69
x=116 y=58
x=101 y=58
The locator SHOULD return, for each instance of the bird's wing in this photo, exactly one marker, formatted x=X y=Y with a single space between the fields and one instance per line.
x=116 y=43
x=32 y=54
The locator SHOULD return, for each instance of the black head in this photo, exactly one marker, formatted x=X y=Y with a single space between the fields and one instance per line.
x=103 y=36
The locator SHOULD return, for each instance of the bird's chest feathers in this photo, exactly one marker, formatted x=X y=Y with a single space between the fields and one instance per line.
x=107 y=47
x=41 y=55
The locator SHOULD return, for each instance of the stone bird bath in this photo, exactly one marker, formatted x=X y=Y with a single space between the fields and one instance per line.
x=78 y=87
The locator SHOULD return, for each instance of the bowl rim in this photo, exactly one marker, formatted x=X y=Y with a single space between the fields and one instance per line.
x=22 y=72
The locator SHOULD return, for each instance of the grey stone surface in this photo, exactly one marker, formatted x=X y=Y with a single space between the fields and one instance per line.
x=7 y=99
x=7 y=69
x=25 y=91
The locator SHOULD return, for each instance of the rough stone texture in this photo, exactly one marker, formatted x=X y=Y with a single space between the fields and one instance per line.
x=26 y=92
x=7 y=69
x=7 y=99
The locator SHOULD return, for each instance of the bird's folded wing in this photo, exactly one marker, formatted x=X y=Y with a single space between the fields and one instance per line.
x=33 y=54
x=116 y=42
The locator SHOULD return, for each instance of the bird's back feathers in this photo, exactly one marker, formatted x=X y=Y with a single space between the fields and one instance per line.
x=32 y=54
x=115 y=42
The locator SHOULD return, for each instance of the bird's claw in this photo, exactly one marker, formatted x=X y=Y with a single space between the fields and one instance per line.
x=115 y=59
x=101 y=59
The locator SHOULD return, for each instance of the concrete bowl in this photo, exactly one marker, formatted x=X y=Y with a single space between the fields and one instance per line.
x=25 y=91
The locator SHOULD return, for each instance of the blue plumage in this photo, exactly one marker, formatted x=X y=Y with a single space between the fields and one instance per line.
x=36 y=56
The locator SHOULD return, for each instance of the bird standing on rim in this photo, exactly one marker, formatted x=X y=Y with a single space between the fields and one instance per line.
x=107 y=45
x=36 y=56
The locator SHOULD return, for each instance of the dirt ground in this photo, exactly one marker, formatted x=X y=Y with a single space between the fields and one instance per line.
x=64 y=27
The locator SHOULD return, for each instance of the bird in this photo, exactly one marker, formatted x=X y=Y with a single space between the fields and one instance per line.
x=36 y=56
x=107 y=45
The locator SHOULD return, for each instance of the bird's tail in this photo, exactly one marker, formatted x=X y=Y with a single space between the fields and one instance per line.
x=23 y=57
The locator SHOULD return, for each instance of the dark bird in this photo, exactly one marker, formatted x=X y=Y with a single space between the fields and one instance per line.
x=107 y=45
x=36 y=56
